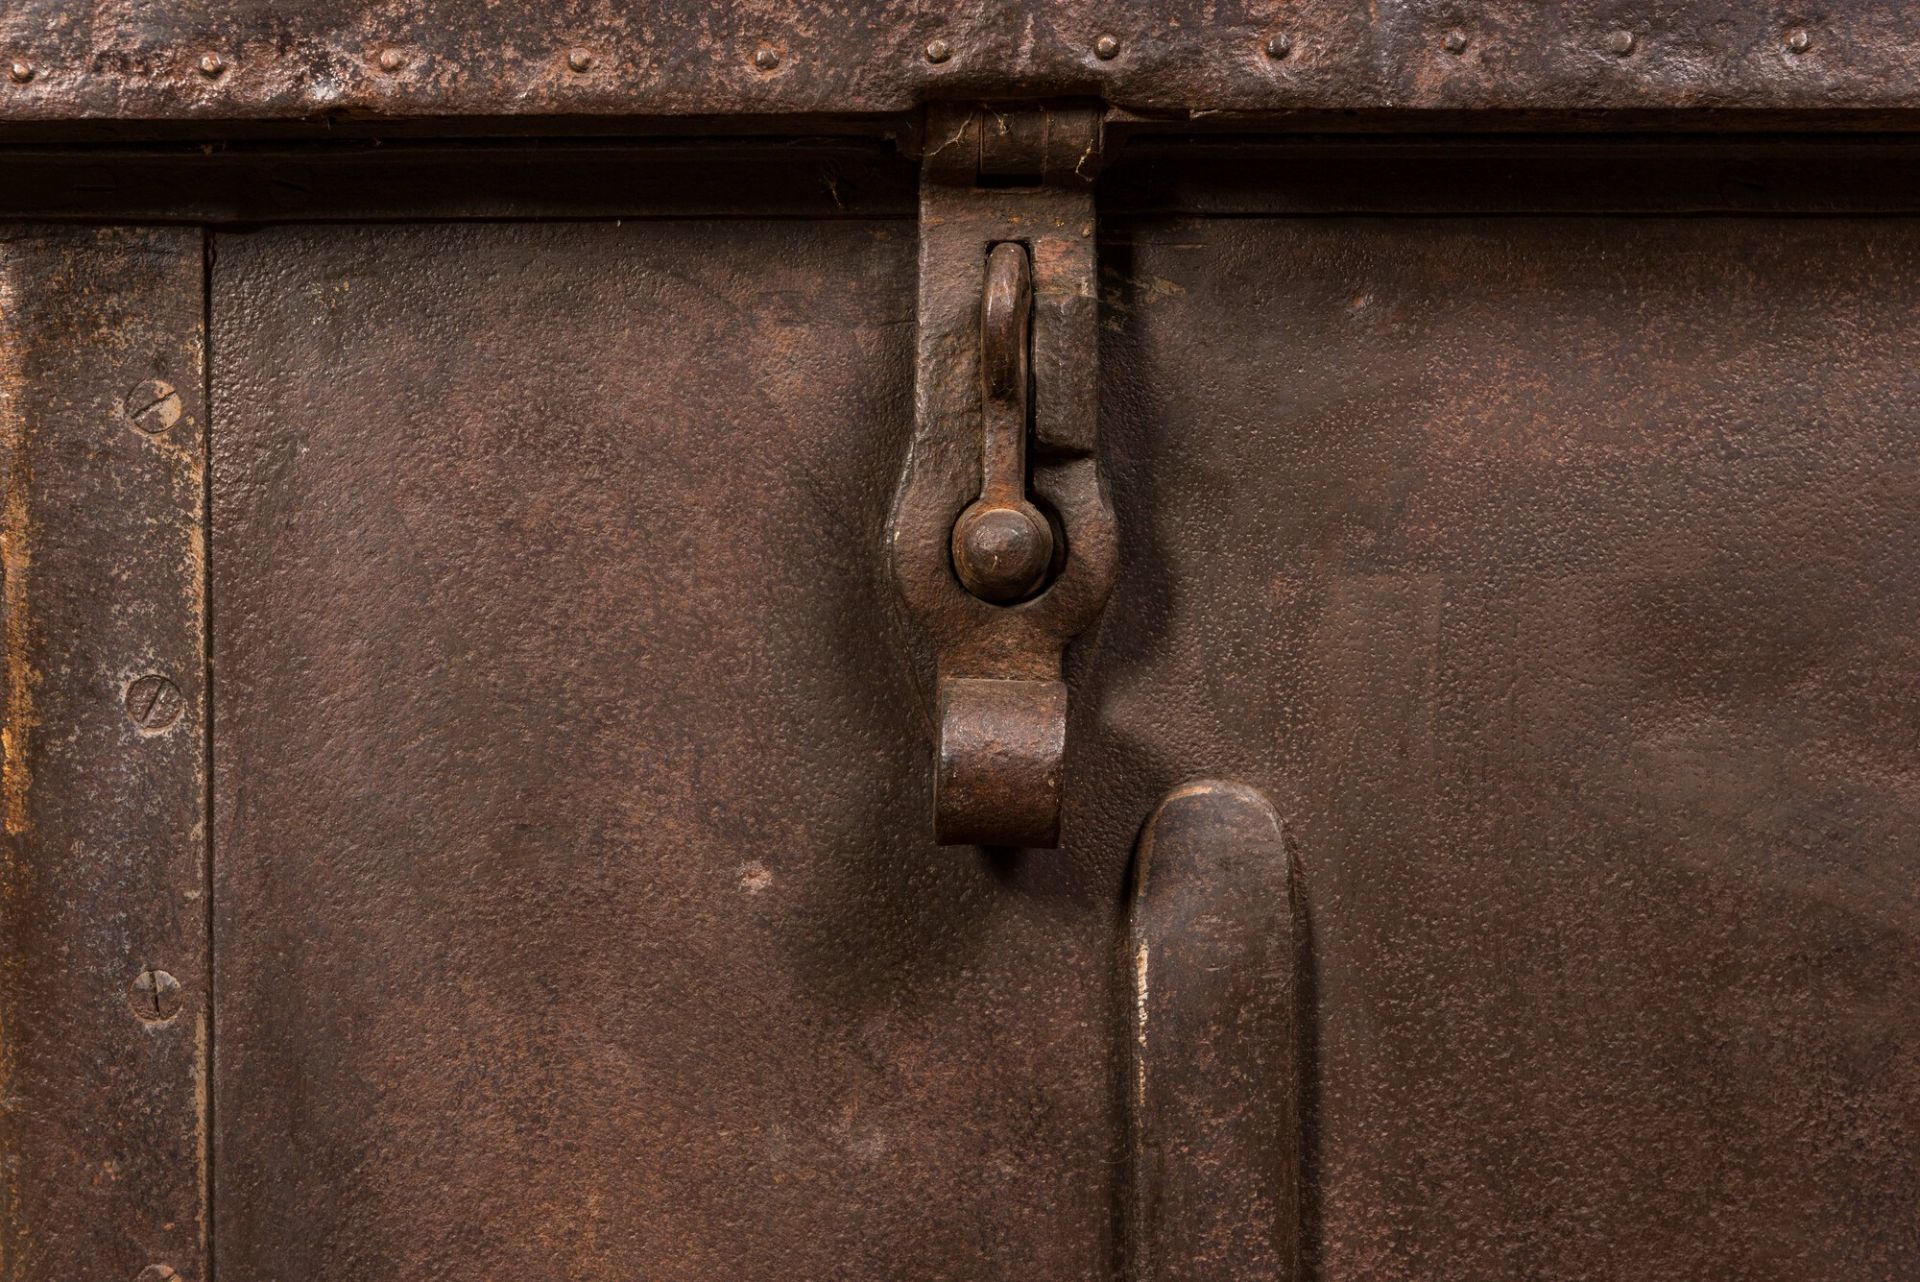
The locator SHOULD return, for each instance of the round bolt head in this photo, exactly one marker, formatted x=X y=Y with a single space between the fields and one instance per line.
x=580 y=60
x=1799 y=40
x=766 y=58
x=157 y=1273
x=1106 y=48
x=938 y=51
x=155 y=996
x=1455 y=42
x=1621 y=42
x=1279 y=46
x=212 y=65
x=1001 y=553
x=154 y=702
x=392 y=60
x=21 y=71
x=153 y=407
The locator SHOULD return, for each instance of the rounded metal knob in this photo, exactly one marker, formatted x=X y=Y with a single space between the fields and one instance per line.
x=1000 y=551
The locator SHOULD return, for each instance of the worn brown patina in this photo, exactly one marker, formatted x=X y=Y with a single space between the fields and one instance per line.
x=1515 y=535
x=104 y=1010
x=237 y=60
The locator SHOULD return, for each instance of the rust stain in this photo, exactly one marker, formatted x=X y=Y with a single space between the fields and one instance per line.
x=15 y=558
x=14 y=776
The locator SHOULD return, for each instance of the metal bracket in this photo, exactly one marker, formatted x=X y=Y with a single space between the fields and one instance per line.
x=1002 y=535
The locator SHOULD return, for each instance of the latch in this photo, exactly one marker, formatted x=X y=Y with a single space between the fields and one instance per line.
x=1002 y=536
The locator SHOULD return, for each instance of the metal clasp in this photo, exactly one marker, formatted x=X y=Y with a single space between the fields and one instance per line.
x=1002 y=536
x=1002 y=545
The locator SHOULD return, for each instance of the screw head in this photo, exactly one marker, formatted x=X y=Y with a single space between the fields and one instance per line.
x=766 y=58
x=21 y=71
x=580 y=60
x=1279 y=46
x=1455 y=42
x=938 y=50
x=392 y=60
x=153 y=406
x=155 y=996
x=154 y=702
x=1799 y=40
x=212 y=65
x=158 y=1273
x=1106 y=48
x=1621 y=43
x=1001 y=553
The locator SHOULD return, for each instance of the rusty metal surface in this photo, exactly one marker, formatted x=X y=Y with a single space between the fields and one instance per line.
x=1557 y=580
x=1213 y=1097
x=1554 y=577
x=103 y=942
x=577 y=909
x=228 y=60
x=998 y=661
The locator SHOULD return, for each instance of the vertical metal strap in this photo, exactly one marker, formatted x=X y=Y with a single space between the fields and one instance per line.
x=104 y=1011
x=1213 y=1091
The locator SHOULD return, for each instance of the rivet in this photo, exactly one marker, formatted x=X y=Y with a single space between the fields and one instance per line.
x=1106 y=48
x=1279 y=46
x=766 y=58
x=1456 y=42
x=938 y=50
x=1001 y=552
x=392 y=60
x=212 y=65
x=21 y=71
x=154 y=702
x=153 y=407
x=1798 y=40
x=580 y=60
x=1621 y=42
x=158 y=1273
x=155 y=996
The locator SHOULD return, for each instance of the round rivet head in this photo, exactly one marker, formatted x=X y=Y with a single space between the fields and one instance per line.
x=1455 y=42
x=580 y=60
x=1001 y=552
x=392 y=60
x=1799 y=40
x=1621 y=43
x=154 y=702
x=1106 y=48
x=938 y=51
x=21 y=71
x=155 y=996
x=212 y=65
x=1279 y=46
x=766 y=58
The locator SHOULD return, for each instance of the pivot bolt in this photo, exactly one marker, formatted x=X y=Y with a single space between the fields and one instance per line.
x=1002 y=552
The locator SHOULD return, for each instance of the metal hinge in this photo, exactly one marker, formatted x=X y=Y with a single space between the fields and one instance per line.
x=1002 y=536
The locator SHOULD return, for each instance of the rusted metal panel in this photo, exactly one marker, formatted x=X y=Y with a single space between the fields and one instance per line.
x=1557 y=580
x=1213 y=1094
x=577 y=908
x=228 y=60
x=104 y=1017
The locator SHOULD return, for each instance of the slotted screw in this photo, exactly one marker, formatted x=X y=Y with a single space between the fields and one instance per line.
x=155 y=996
x=154 y=702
